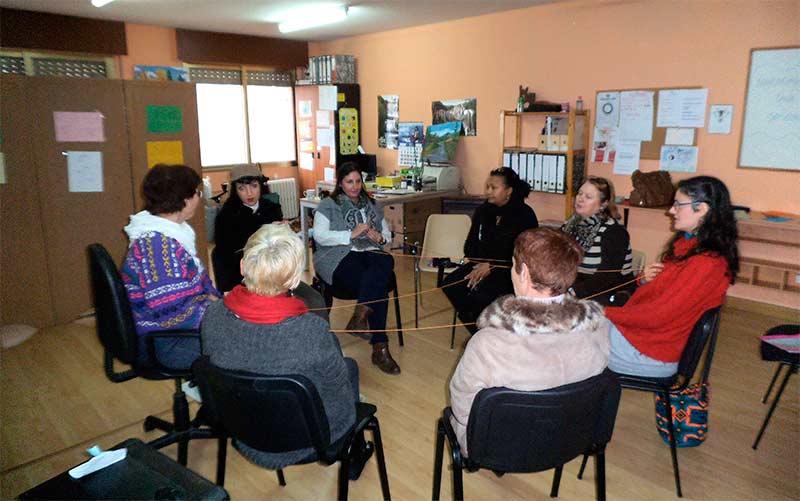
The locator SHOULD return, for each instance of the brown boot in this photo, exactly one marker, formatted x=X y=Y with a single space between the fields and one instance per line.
x=383 y=359
x=358 y=322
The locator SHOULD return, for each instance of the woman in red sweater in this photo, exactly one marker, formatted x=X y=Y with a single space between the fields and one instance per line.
x=700 y=261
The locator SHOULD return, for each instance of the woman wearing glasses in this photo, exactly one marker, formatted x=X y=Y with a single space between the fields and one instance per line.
x=489 y=246
x=166 y=282
x=607 y=255
x=699 y=262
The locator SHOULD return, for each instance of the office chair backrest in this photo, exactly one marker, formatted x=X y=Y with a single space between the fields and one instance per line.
x=704 y=333
x=115 y=325
x=268 y=413
x=444 y=237
x=529 y=431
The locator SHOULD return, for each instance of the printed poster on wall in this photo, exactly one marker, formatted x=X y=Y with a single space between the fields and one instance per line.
x=604 y=146
x=160 y=73
x=457 y=110
x=719 y=119
x=79 y=126
x=348 y=131
x=388 y=119
x=411 y=138
x=164 y=152
x=636 y=115
x=607 y=109
x=678 y=158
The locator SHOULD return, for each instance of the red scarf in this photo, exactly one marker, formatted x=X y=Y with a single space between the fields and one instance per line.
x=252 y=307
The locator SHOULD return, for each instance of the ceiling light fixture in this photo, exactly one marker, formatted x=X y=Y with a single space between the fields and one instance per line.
x=302 y=19
x=100 y=3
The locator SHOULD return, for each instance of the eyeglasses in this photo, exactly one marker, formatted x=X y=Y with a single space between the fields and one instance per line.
x=678 y=205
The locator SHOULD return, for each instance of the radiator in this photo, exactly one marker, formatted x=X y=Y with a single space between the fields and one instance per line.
x=287 y=191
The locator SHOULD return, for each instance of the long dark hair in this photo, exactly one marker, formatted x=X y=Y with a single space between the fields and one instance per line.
x=520 y=189
x=341 y=173
x=717 y=233
x=233 y=197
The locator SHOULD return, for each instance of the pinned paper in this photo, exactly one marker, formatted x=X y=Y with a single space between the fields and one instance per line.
x=340 y=97
x=679 y=136
x=323 y=118
x=2 y=168
x=626 y=158
x=164 y=119
x=678 y=158
x=79 y=126
x=304 y=109
x=306 y=161
x=84 y=171
x=329 y=173
x=164 y=152
x=327 y=97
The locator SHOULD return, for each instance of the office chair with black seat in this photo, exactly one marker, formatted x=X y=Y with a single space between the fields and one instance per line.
x=117 y=333
x=512 y=431
x=703 y=338
x=278 y=414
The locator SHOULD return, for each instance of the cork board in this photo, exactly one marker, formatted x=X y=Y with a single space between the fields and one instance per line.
x=651 y=150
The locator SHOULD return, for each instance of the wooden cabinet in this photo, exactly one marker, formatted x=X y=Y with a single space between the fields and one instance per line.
x=522 y=130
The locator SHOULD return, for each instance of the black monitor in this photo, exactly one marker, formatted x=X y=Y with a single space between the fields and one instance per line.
x=367 y=163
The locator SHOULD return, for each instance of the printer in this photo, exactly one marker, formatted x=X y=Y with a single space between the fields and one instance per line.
x=440 y=178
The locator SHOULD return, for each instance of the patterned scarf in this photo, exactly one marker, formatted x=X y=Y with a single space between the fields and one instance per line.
x=353 y=217
x=584 y=230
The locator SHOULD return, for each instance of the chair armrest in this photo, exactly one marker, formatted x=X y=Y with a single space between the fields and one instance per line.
x=116 y=377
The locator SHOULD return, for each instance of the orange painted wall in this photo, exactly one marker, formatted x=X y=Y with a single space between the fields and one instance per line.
x=148 y=45
x=570 y=49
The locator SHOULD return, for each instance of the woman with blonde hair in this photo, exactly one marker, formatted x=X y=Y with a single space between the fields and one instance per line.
x=607 y=254
x=261 y=327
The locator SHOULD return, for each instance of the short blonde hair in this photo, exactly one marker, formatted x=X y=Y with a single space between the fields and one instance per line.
x=272 y=261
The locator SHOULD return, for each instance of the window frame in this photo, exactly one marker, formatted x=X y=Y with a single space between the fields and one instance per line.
x=28 y=58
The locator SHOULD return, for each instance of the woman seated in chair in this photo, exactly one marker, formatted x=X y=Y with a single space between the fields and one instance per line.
x=489 y=245
x=261 y=328
x=166 y=282
x=699 y=263
x=606 y=246
x=246 y=209
x=349 y=231
x=540 y=337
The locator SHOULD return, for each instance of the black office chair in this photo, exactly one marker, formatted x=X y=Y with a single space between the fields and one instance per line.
x=512 y=431
x=702 y=338
x=784 y=358
x=328 y=292
x=117 y=333
x=280 y=414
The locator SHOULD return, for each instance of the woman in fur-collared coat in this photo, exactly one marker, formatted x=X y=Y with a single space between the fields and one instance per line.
x=537 y=339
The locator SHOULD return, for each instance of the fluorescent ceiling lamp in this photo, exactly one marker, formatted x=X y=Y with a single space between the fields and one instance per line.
x=302 y=19
x=100 y=3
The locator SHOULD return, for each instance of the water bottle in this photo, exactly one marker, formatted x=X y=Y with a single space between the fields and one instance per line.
x=579 y=104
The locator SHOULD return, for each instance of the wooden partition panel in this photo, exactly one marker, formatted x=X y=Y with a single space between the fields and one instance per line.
x=72 y=221
x=24 y=284
x=138 y=96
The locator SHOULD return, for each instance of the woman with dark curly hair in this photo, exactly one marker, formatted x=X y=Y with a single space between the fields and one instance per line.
x=700 y=262
x=166 y=282
x=490 y=241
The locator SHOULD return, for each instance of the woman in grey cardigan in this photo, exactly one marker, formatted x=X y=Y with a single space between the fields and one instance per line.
x=349 y=230
x=260 y=327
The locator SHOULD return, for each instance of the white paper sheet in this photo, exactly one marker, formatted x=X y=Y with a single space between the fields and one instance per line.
x=636 y=115
x=682 y=108
x=306 y=161
x=679 y=158
x=2 y=168
x=325 y=138
x=719 y=119
x=626 y=159
x=85 y=171
x=607 y=109
x=327 y=97
x=679 y=136
x=330 y=174
x=323 y=118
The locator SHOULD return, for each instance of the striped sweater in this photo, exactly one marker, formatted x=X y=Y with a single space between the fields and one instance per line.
x=611 y=250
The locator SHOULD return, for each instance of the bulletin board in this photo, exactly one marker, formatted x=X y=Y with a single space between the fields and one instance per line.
x=771 y=125
x=651 y=150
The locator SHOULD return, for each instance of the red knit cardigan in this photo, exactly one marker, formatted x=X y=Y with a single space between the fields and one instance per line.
x=659 y=317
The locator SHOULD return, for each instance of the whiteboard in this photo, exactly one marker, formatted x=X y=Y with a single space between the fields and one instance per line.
x=771 y=130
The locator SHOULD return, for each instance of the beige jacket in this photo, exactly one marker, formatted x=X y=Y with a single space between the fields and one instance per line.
x=527 y=345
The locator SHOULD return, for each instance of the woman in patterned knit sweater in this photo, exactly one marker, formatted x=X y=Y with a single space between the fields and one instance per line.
x=701 y=260
x=167 y=285
x=605 y=242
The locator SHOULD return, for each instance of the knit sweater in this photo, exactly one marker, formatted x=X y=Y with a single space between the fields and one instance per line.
x=165 y=286
x=298 y=345
x=610 y=250
x=659 y=317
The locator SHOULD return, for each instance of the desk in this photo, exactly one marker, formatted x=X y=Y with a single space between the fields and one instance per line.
x=423 y=204
x=144 y=474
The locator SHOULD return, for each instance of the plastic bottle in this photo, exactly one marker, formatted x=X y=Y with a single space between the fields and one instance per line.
x=520 y=104
x=579 y=104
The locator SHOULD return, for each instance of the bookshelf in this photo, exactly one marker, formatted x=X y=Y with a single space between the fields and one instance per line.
x=526 y=127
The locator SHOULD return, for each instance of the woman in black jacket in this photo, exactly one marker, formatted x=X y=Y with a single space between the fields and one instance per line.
x=242 y=214
x=490 y=245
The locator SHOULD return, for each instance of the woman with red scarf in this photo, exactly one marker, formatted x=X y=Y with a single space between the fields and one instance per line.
x=261 y=327
x=700 y=262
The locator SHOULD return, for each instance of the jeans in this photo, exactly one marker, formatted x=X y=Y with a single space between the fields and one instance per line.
x=366 y=276
x=626 y=359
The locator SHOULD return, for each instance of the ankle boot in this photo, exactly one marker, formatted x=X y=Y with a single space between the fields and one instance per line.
x=383 y=359
x=358 y=322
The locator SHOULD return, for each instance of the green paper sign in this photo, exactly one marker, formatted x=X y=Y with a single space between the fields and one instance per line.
x=164 y=119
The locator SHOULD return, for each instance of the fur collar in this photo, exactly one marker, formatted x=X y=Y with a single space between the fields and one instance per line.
x=524 y=318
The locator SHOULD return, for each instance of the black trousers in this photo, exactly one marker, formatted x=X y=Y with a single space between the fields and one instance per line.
x=469 y=303
x=366 y=275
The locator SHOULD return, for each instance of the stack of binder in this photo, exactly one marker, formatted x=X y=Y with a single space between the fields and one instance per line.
x=545 y=172
x=332 y=69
